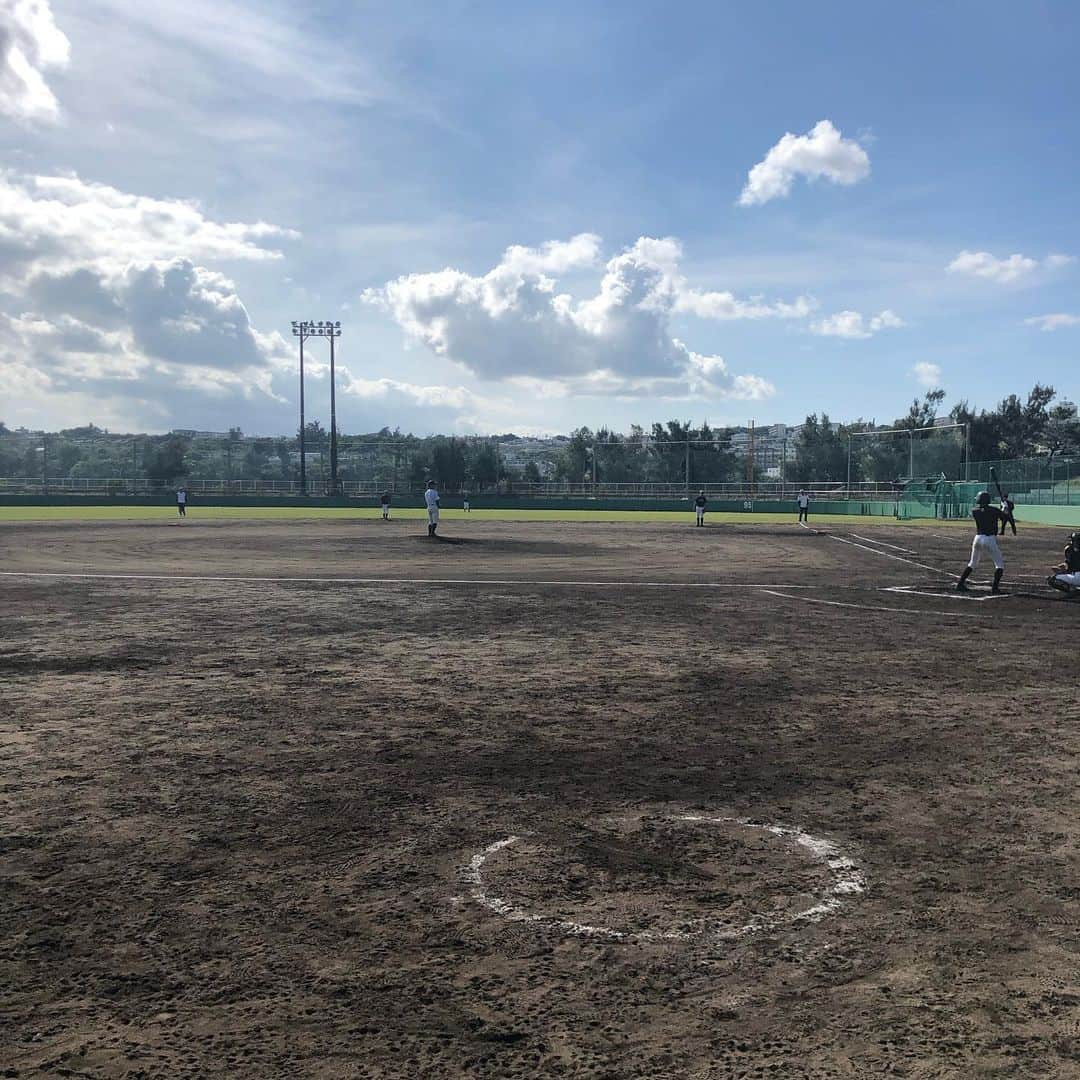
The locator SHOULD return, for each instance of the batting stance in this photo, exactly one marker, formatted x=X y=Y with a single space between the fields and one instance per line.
x=699 y=507
x=987 y=519
x=1066 y=577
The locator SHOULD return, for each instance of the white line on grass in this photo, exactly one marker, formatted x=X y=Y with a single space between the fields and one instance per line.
x=394 y=581
x=874 y=607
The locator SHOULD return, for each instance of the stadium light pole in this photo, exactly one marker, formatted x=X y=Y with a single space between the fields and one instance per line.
x=324 y=329
x=300 y=330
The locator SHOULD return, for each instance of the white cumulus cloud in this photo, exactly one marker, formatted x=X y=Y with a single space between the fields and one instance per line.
x=852 y=324
x=103 y=293
x=822 y=152
x=1053 y=322
x=58 y=223
x=1011 y=268
x=514 y=323
x=30 y=44
x=927 y=374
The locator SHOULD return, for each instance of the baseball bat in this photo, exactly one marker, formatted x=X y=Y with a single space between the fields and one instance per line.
x=993 y=476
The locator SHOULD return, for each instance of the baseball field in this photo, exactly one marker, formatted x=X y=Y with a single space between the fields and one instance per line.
x=293 y=796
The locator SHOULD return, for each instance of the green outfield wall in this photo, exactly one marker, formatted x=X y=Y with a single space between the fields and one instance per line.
x=452 y=502
x=1067 y=516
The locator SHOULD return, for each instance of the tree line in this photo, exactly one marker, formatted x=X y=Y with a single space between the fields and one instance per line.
x=1016 y=427
x=675 y=452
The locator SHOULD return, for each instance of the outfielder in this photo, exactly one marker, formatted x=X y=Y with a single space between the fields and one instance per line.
x=181 y=502
x=1066 y=577
x=699 y=507
x=803 y=501
x=987 y=519
x=431 y=501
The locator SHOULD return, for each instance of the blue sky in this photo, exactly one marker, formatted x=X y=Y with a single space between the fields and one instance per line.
x=530 y=218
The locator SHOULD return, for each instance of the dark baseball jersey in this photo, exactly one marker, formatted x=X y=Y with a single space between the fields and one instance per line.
x=1072 y=559
x=987 y=519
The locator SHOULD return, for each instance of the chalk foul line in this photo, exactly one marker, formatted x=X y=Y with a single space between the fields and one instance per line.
x=886 y=608
x=256 y=580
x=881 y=543
x=897 y=558
x=955 y=594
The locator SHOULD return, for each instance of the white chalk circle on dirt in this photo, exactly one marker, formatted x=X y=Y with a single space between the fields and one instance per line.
x=846 y=880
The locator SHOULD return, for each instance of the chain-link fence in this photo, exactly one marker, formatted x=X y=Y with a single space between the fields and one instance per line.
x=1051 y=480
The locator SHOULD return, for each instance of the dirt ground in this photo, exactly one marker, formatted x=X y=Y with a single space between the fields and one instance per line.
x=576 y=800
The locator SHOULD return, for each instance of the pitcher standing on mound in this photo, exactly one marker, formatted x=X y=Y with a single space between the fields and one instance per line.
x=431 y=501
x=987 y=520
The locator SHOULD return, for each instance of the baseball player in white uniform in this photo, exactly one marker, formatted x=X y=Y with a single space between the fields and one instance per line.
x=431 y=501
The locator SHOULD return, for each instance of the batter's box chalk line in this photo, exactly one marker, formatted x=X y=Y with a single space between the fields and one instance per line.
x=947 y=593
x=846 y=881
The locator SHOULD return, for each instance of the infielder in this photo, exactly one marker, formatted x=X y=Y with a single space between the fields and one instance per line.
x=699 y=507
x=1066 y=577
x=987 y=519
x=803 y=501
x=431 y=501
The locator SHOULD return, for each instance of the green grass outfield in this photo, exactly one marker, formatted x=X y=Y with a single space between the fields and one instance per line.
x=301 y=513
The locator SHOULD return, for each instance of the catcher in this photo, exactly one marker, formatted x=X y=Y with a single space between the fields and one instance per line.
x=1066 y=576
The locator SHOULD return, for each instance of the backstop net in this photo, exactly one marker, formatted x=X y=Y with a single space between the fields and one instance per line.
x=936 y=497
x=903 y=455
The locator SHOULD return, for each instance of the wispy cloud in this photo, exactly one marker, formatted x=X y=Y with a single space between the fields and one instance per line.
x=1053 y=322
x=1013 y=267
x=31 y=44
x=852 y=324
x=266 y=40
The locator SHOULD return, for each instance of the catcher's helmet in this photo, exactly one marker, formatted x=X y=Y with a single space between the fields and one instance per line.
x=1074 y=539
x=983 y=498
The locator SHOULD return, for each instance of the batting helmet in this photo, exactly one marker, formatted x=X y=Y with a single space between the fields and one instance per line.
x=983 y=498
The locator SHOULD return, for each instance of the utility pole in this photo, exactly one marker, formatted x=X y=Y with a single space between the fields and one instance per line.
x=750 y=457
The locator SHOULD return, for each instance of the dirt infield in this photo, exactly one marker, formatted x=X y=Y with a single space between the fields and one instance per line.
x=581 y=800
